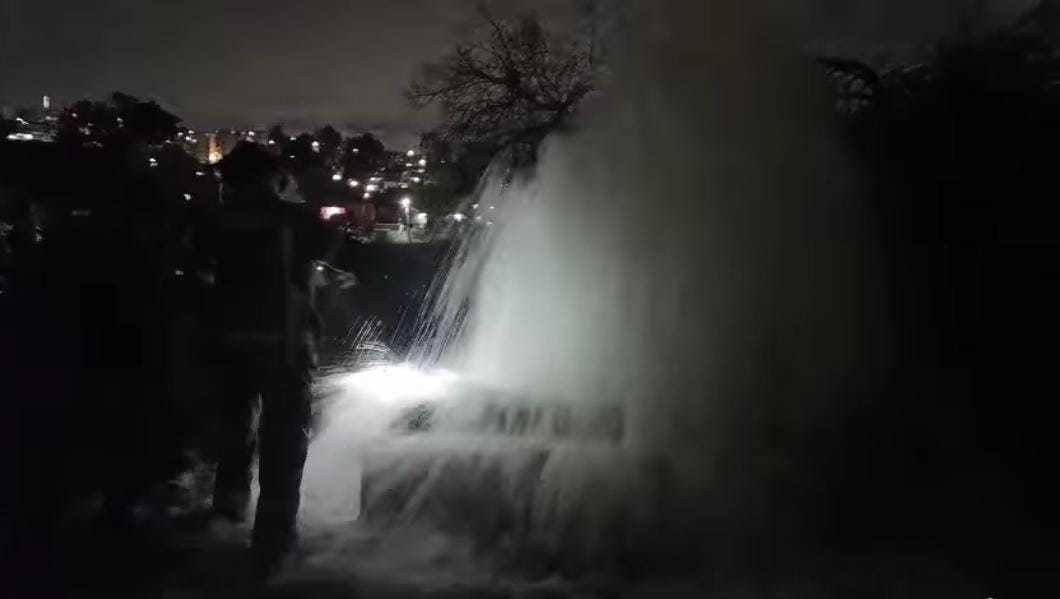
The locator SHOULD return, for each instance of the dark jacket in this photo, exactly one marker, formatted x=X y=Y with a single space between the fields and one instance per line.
x=262 y=254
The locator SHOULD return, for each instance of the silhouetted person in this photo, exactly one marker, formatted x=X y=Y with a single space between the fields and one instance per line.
x=263 y=246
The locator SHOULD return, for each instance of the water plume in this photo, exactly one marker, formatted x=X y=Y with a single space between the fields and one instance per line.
x=695 y=254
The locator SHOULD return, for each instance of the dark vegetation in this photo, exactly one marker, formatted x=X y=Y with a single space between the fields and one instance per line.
x=506 y=88
x=954 y=460
x=960 y=151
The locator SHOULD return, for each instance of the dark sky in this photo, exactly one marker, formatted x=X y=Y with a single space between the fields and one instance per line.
x=237 y=62
x=253 y=62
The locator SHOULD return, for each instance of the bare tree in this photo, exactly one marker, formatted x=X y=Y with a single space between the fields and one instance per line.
x=508 y=87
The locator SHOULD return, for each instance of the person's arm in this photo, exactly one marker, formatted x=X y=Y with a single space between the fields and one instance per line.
x=325 y=244
x=326 y=274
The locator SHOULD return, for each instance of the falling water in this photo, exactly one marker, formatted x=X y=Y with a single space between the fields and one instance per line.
x=693 y=256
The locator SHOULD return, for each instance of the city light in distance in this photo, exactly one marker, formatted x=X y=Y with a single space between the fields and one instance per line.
x=411 y=153
x=336 y=177
x=187 y=197
x=353 y=182
x=406 y=202
x=371 y=187
x=423 y=162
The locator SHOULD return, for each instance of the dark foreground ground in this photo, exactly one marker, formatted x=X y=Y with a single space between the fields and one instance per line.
x=937 y=491
x=165 y=550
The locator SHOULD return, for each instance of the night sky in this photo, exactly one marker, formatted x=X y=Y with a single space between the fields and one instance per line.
x=226 y=63
x=237 y=63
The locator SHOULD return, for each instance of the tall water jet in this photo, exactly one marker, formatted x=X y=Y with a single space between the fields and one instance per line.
x=694 y=252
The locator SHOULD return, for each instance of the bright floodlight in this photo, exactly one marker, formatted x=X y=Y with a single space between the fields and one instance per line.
x=400 y=384
x=406 y=202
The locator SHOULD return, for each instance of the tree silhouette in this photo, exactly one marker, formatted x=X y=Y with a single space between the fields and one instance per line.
x=121 y=120
x=362 y=156
x=278 y=135
x=509 y=87
x=330 y=144
x=144 y=120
